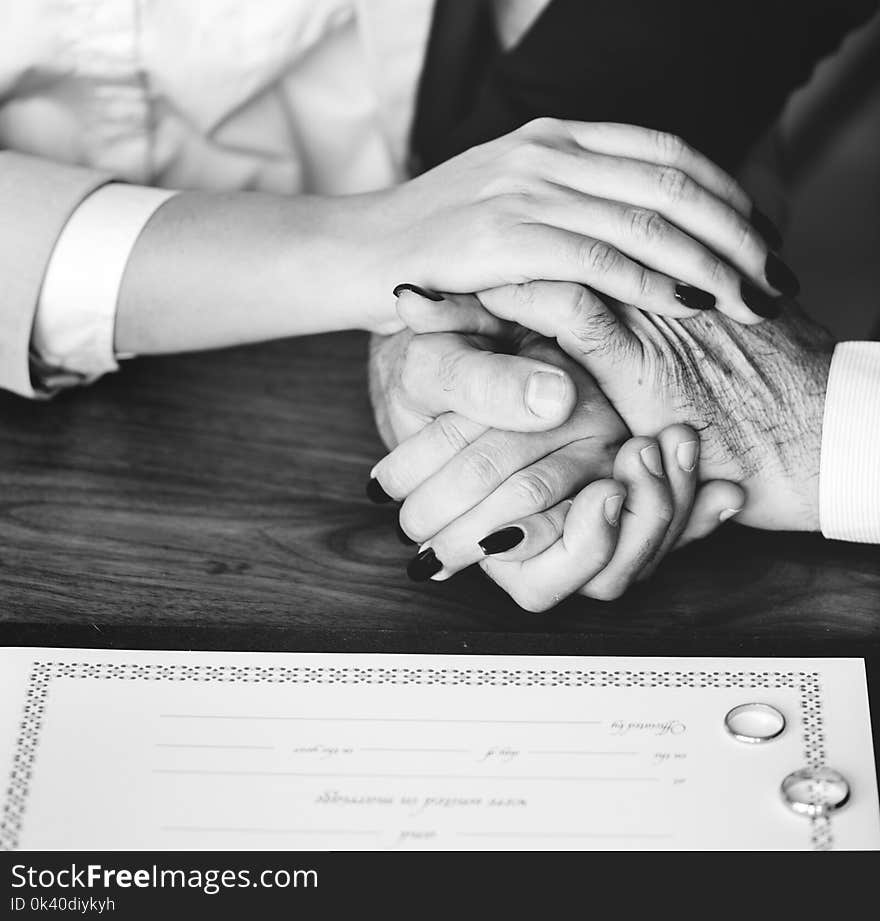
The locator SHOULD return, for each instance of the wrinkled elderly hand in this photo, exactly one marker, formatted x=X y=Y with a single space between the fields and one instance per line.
x=755 y=395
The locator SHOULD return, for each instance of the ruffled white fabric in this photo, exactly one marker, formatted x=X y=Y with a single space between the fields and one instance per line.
x=278 y=95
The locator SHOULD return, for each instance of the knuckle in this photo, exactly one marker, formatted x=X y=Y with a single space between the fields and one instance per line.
x=670 y=146
x=497 y=186
x=548 y=521
x=674 y=184
x=490 y=229
x=483 y=465
x=528 y=154
x=448 y=368
x=731 y=190
x=533 y=489
x=524 y=296
x=715 y=270
x=744 y=234
x=593 y=331
x=647 y=225
x=646 y=287
x=541 y=127
x=599 y=257
x=578 y=302
x=451 y=433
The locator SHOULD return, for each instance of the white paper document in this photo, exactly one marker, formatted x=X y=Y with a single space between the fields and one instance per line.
x=111 y=750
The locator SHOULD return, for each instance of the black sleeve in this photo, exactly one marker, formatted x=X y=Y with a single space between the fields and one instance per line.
x=713 y=71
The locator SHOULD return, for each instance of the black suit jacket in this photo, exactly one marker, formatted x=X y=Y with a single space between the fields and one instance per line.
x=715 y=72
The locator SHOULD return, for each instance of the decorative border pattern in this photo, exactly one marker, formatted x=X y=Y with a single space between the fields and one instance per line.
x=36 y=699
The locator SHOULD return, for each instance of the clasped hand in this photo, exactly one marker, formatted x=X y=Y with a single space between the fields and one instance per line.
x=584 y=506
x=549 y=430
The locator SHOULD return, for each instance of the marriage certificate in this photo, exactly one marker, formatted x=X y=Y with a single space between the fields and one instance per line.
x=110 y=749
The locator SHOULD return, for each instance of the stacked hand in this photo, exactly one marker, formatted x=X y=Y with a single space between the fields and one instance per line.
x=754 y=394
x=633 y=213
x=512 y=410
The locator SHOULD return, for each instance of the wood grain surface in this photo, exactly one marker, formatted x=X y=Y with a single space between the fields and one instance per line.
x=226 y=490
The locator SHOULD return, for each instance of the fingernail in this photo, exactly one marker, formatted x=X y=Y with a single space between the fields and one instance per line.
x=502 y=541
x=768 y=230
x=544 y=393
x=423 y=565
x=612 y=509
x=780 y=276
x=686 y=455
x=729 y=513
x=760 y=303
x=375 y=493
x=652 y=460
x=422 y=292
x=403 y=537
x=695 y=298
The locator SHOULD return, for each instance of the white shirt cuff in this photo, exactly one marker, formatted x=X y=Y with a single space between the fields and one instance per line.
x=72 y=339
x=849 y=475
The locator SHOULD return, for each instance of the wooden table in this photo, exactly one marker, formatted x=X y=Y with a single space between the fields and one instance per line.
x=218 y=500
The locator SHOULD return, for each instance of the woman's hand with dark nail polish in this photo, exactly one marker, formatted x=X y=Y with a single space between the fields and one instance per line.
x=423 y=565
x=403 y=537
x=695 y=298
x=376 y=494
x=781 y=277
x=768 y=230
x=501 y=541
x=416 y=289
x=760 y=303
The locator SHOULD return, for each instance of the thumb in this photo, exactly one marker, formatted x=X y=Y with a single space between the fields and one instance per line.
x=444 y=372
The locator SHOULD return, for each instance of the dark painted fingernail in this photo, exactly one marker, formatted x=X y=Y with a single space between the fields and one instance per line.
x=764 y=305
x=376 y=494
x=768 y=230
x=502 y=541
x=780 y=276
x=422 y=292
x=423 y=565
x=403 y=537
x=695 y=298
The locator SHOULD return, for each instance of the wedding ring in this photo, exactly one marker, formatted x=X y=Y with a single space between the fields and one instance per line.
x=754 y=723
x=815 y=792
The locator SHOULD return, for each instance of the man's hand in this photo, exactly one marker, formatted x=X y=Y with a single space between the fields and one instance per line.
x=755 y=395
